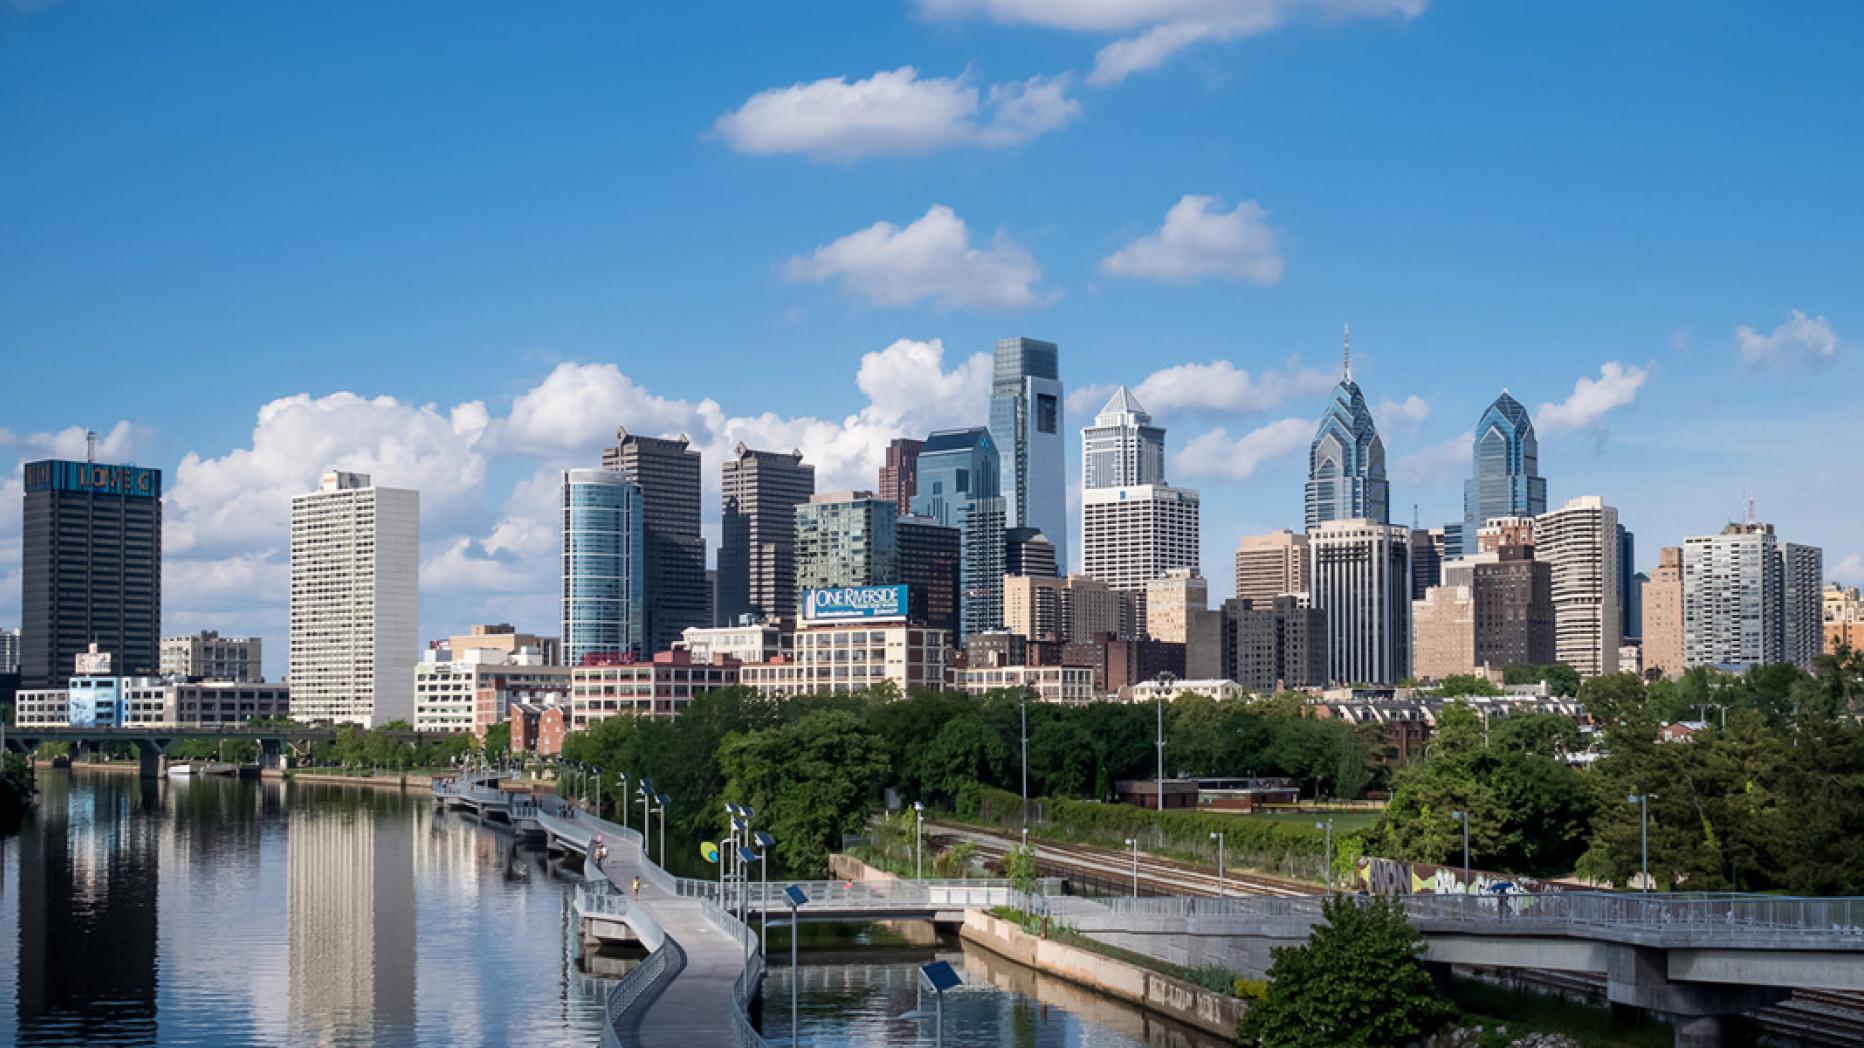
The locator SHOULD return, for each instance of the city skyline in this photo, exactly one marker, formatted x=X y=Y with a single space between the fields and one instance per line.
x=1613 y=317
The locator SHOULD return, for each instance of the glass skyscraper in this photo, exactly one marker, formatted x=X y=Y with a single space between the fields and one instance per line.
x=604 y=574
x=1122 y=448
x=1507 y=480
x=1026 y=423
x=959 y=473
x=1346 y=463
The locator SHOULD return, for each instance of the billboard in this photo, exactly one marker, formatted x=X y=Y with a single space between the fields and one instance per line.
x=93 y=478
x=855 y=604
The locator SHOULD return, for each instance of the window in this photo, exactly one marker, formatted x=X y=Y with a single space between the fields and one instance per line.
x=1048 y=413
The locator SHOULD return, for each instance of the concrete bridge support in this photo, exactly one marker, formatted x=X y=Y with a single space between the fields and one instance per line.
x=1638 y=976
x=153 y=754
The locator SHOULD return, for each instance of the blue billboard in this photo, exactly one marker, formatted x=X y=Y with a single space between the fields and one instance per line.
x=855 y=604
x=93 y=478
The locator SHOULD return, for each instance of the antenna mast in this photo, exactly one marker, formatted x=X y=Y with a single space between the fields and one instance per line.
x=90 y=445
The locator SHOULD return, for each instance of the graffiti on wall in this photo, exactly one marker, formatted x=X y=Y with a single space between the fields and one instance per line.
x=1393 y=877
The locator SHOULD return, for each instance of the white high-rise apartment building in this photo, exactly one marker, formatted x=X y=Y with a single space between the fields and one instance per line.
x=1580 y=540
x=1361 y=579
x=355 y=601
x=1750 y=599
x=1132 y=535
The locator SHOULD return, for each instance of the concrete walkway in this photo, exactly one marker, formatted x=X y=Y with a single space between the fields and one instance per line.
x=695 y=1008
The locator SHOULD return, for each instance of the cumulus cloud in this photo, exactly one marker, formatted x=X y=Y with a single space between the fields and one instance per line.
x=1161 y=28
x=1215 y=454
x=1221 y=388
x=895 y=112
x=1617 y=385
x=577 y=407
x=1200 y=239
x=1405 y=414
x=1850 y=569
x=1437 y=463
x=1801 y=341
x=933 y=258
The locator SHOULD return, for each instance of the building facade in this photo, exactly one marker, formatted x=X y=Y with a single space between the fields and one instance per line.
x=1579 y=541
x=668 y=472
x=1506 y=480
x=1802 y=579
x=504 y=637
x=1269 y=646
x=1346 y=462
x=209 y=656
x=1122 y=448
x=449 y=685
x=841 y=658
x=9 y=651
x=899 y=475
x=1026 y=417
x=1130 y=536
x=749 y=642
x=90 y=568
x=1361 y=579
x=1443 y=632
x=959 y=473
x=1429 y=549
x=760 y=491
x=603 y=596
x=658 y=687
x=1749 y=599
x=1026 y=551
x=1515 y=619
x=1067 y=685
x=932 y=563
x=1271 y=565
x=1070 y=610
x=846 y=538
x=355 y=601
x=1662 y=643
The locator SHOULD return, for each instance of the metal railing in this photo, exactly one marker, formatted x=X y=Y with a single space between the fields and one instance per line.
x=618 y=1027
x=862 y=895
x=744 y=987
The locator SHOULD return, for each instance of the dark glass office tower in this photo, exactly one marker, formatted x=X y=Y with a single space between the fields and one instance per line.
x=760 y=491
x=667 y=469
x=92 y=569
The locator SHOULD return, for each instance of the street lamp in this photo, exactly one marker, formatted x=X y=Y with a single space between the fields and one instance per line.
x=1165 y=681
x=1328 y=826
x=1133 y=843
x=764 y=842
x=645 y=787
x=1642 y=800
x=1217 y=835
x=598 y=793
x=1463 y=817
x=1025 y=812
x=796 y=897
x=661 y=804
x=919 y=824
x=621 y=782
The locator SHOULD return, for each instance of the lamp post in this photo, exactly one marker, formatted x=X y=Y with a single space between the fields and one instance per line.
x=1642 y=800
x=661 y=803
x=1165 y=681
x=1133 y=843
x=1025 y=809
x=1328 y=826
x=598 y=793
x=919 y=825
x=645 y=787
x=621 y=781
x=796 y=897
x=1217 y=835
x=1463 y=817
x=764 y=842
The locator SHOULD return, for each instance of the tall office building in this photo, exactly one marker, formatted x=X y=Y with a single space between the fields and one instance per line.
x=1267 y=646
x=846 y=538
x=1361 y=578
x=1443 y=632
x=931 y=563
x=1268 y=566
x=209 y=656
x=355 y=601
x=1026 y=551
x=1130 y=536
x=1071 y=610
x=1122 y=448
x=667 y=469
x=1428 y=552
x=1346 y=463
x=1507 y=480
x=90 y=568
x=760 y=491
x=604 y=574
x=958 y=477
x=1802 y=580
x=1750 y=599
x=9 y=651
x=1026 y=424
x=1630 y=595
x=1580 y=541
x=1515 y=619
x=1662 y=600
x=1178 y=612
x=899 y=475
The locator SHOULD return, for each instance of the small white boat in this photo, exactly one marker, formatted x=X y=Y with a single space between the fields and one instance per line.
x=184 y=770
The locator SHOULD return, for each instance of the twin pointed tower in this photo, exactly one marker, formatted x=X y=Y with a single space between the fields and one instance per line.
x=1346 y=463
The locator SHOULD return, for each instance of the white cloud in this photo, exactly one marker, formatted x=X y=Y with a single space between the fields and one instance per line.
x=1199 y=239
x=1214 y=454
x=577 y=407
x=1163 y=27
x=458 y=569
x=895 y=112
x=1437 y=463
x=1406 y=414
x=1617 y=385
x=1222 y=388
x=1801 y=341
x=931 y=258
x=1849 y=570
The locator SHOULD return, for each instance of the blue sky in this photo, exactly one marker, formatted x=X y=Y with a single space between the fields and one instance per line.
x=457 y=244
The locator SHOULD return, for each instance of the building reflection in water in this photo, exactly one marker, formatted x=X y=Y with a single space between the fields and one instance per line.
x=351 y=925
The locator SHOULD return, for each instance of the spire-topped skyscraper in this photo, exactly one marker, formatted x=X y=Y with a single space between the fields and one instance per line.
x=1506 y=481
x=1346 y=464
x=1122 y=447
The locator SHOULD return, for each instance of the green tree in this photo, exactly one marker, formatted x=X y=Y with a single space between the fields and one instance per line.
x=1019 y=865
x=1459 y=684
x=18 y=784
x=1358 y=982
x=498 y=739
x=811 y=781
x=1561 y=678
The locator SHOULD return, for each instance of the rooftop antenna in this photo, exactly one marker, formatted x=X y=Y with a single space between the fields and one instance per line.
x=1414 y=517
x=1750 y=509
x=90 y=445
x=1346 y=351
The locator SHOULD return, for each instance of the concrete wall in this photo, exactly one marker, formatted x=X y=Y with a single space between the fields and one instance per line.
x=1172 y=998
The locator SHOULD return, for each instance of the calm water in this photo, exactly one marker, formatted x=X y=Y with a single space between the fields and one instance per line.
x=217 y=912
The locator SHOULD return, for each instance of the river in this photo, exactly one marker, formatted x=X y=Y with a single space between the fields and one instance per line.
x=218 y=912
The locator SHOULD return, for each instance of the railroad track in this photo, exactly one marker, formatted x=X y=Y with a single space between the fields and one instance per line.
x=1114 y=871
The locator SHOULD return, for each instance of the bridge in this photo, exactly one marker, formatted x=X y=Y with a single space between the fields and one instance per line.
x=152 y=743
x=1699 y=958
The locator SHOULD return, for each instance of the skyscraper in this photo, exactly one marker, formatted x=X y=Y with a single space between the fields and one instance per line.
x=1122 y=448
x=846 y=538
x=1026 y=424
x=355 y=601
x=1268 y=566
x=899 y=475
x=1428 y=552
x=1630 y=595
x=1507 y=480
x=1346 y=463
x=667 y=469
x=1361 y=578
x=1749 y=599
x=1662 y=600
x=90 y=568
x=604 y=592
x=760 y=491
x=1026 y=551
x=1802 y=583
x=1270 y=645
x=1580 y=541
x=931 y=563
x=958 y=477
x=1133 y=535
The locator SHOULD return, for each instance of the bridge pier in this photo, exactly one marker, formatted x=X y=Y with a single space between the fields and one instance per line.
x=1639 y=976
x=151 y=752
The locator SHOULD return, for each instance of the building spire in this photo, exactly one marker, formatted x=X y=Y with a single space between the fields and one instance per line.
x=1346 y=352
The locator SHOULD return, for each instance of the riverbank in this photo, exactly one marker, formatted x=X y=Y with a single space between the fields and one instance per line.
x=399 y=783
x=113 y=767
x=1175 y=999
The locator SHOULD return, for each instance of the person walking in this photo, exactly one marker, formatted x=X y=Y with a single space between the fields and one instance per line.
x=637 y=884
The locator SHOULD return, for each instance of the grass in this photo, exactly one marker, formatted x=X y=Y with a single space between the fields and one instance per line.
x=1524 y=1012
x=1343 y=821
